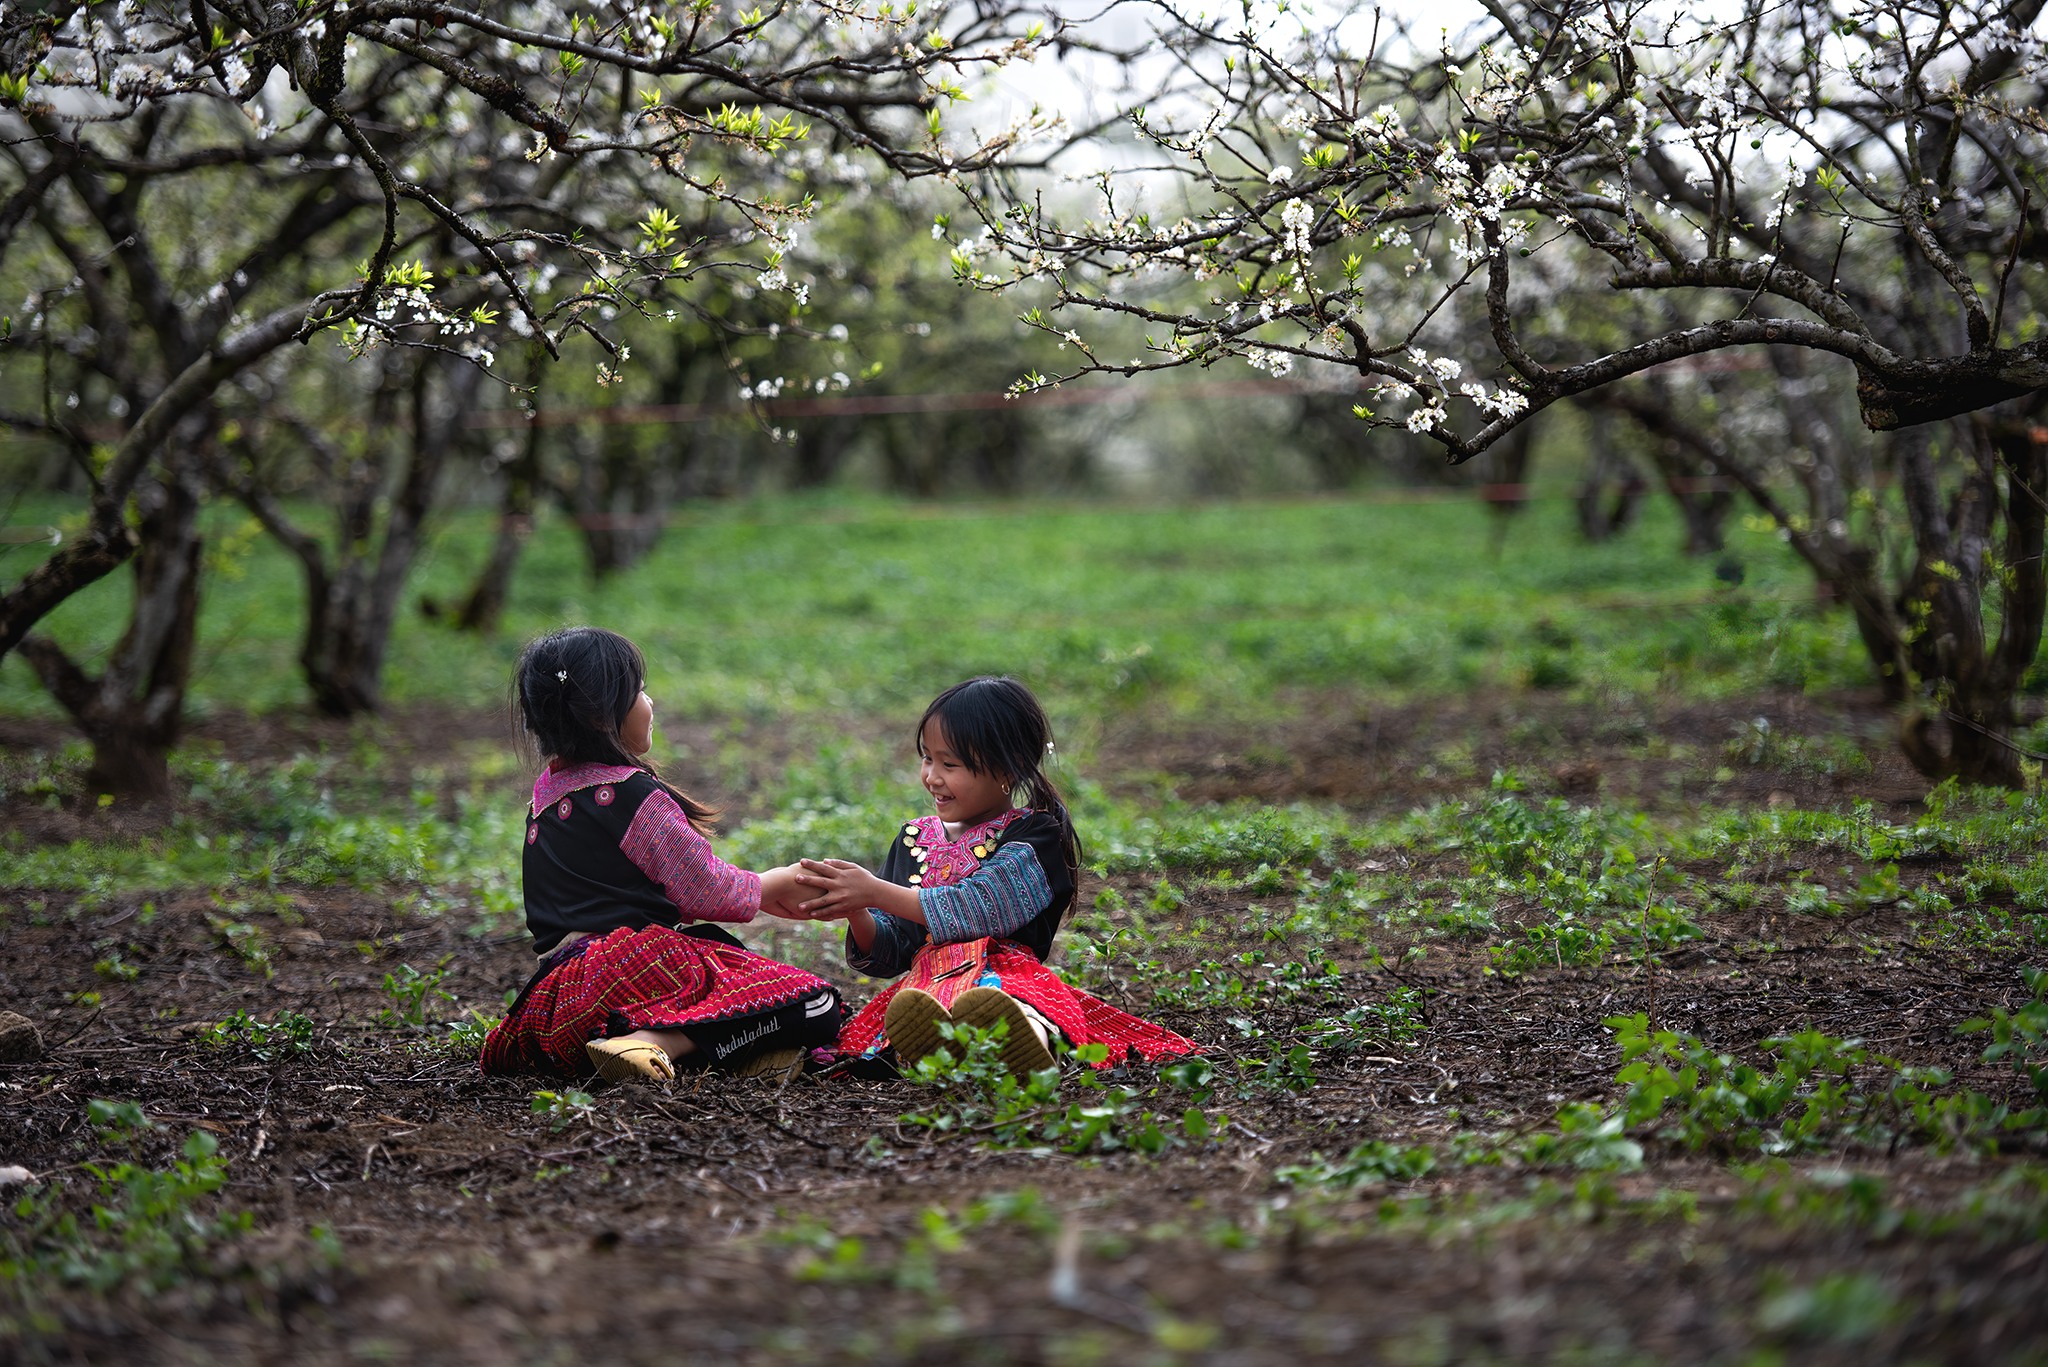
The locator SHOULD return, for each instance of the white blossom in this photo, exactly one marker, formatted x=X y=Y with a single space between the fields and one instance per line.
x=1297 y=217
x=1426 y=417
x=1383 y=124
x=1274 y=363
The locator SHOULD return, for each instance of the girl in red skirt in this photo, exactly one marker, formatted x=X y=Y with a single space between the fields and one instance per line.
x=619 y=883
x=970 y=897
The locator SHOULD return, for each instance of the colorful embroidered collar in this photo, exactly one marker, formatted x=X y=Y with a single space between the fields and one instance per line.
x=554 y=784
x=942 y=861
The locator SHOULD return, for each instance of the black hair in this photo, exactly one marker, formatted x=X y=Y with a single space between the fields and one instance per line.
x=997 y=728
x=572 y=690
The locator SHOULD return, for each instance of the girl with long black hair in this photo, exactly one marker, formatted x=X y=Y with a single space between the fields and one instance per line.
x=970 y=897
x=620 y=887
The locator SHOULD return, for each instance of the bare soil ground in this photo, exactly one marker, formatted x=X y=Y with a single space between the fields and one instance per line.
x=737 y=1221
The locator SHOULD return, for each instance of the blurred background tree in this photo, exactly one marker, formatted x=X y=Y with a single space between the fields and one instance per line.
x=594 y=272
x=1556 y=202
x=185 y=190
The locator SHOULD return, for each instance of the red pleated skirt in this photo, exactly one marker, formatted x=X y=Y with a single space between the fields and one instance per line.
x=946 y=971
x=650 y=978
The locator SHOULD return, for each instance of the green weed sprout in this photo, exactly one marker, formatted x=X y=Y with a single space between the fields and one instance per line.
x=564 y=1108
x=1369 y=1164
x=290 y=1035
x=1585 y=1137
x=983 y=1100
x=466 y=1034
x=822 y=1254
x=148 y=1228
x=412 y=994
x=2020 y=1037
x=1815 y=1091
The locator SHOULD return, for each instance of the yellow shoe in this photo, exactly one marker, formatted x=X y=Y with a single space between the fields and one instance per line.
x=777 y=1065
x=630 y=1060
x=1026 y=1048
x=912 y=1025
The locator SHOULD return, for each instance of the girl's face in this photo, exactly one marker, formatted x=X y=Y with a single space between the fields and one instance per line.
x=636 y=732
x=961 y=796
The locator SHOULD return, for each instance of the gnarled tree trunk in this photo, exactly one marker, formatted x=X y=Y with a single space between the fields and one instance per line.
x=132 y=712
x=353 y=587
x=1975 y=681
x=1611 y=490
x=1975 y=511
x=484 y=604
x=618 y=496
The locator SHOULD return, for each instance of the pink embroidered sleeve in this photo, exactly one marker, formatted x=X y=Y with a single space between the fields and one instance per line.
x=667 y=848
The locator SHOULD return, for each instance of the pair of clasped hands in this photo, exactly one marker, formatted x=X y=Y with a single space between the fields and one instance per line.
x=819 y=890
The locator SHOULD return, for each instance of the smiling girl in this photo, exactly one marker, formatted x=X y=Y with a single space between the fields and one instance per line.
x=970 y=897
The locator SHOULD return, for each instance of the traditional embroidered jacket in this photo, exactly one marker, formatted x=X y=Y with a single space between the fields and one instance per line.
x=1006 y=879
x=607 y=846
x=609 y=851
x=993 y=897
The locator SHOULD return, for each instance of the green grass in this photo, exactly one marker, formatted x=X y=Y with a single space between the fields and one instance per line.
x=791 y=607
x=1531 y=882
x=1309 y=939
x=250 y=828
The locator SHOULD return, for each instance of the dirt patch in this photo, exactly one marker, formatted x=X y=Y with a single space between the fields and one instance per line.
x=1777 y=749
x=473 y=1229
x=406 y=1208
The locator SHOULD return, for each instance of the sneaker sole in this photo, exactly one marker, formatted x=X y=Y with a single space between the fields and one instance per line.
x=1023 y=1052
x=912 y=1025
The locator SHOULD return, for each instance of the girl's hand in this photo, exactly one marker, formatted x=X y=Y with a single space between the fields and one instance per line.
x=841 y=888
x=780 y=893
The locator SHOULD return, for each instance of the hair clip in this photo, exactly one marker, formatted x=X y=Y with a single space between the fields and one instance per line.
x=1048 y=747
x=562 y=674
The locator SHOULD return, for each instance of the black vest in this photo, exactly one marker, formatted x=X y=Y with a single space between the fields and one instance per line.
x=577 y=877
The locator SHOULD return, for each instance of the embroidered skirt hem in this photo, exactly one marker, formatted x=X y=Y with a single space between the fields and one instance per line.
x=946 y=971
x=730 y=1001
